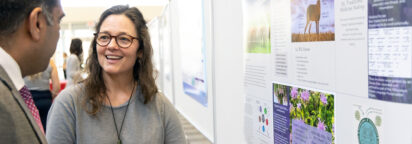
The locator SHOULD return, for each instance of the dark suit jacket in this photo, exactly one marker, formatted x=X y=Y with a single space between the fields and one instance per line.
x=17 y=125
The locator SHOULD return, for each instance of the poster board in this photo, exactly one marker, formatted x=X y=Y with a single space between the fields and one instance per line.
x=354 y=52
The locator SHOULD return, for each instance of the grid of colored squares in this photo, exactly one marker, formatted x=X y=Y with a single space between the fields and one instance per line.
x=262 y=118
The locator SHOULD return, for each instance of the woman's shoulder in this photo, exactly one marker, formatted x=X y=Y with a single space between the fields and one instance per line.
x=160 y=98
x=162 y=102
x=70 y=94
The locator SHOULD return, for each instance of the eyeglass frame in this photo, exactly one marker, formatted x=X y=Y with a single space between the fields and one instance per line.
x=115 y=38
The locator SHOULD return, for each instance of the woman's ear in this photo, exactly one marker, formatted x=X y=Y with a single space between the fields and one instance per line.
x=35 y=23
x=140 y=53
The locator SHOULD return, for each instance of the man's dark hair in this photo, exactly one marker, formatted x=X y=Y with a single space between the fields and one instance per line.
x=13 y=13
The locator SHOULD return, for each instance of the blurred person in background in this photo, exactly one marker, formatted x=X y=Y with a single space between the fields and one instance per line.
x=64 y=64
x=73 y=68
x=39 y=86
x=119 y=101
x=29 y=31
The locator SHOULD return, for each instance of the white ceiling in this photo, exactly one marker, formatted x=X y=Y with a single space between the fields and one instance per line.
x=108 y=3
x=85 y=11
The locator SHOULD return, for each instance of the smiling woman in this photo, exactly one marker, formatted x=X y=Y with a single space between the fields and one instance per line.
x=119 y=92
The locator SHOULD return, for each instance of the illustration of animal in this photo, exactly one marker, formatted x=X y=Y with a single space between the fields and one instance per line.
x=313 y=14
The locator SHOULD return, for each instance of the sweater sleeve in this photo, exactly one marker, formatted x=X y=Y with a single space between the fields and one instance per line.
x=61 y=122
x=173 y=128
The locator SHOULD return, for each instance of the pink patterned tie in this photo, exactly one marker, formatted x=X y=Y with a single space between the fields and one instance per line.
x=28 y=99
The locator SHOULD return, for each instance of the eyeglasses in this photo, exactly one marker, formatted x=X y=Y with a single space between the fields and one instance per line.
x=122 y=40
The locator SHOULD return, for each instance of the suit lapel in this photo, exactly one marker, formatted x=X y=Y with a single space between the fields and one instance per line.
x=20 y=101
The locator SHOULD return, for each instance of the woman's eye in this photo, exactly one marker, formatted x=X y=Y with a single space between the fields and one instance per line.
x=124 y=39
x=104 y=37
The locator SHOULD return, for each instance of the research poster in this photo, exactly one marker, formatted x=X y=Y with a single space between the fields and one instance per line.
x=389 y=43
x=302 y=115
x=303 y=42
x=332 y=70
x=257 y=71
x=192 y=50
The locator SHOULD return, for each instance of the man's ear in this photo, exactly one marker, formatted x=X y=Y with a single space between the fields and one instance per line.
x=35 y=23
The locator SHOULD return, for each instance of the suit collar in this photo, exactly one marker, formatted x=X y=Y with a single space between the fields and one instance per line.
x=19 y=100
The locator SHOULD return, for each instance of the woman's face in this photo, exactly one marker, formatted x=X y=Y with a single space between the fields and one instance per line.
x=112 y=58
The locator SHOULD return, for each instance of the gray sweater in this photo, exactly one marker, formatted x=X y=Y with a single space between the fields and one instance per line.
x=72 y=69
x=42 y=82
x=153 y=123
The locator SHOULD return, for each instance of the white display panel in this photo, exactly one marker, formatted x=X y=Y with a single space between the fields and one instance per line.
x=154 y=31
x=185 y=37
x=228 y=81
x=193 y=48
x=338 y=65
x=325 y=45
x=166 y=53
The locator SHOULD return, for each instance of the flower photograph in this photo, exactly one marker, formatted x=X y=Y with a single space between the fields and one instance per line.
x=280 y=94
x=311 y=113
x=313 y=108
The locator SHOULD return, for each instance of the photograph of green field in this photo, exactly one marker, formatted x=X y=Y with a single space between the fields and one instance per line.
x=257 y=24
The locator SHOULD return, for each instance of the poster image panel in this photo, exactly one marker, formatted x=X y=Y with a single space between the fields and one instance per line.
x=258 y=121
x=368 y=124
x=257 y=15
x=193 y=51
x=280 y=94
x=307 y=118
x=313 y=20
x=389 y=50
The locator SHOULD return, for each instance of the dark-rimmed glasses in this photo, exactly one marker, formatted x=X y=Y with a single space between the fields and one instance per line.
x=122 y=40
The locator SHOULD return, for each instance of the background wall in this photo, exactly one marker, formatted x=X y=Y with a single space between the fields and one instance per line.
x=228 y=69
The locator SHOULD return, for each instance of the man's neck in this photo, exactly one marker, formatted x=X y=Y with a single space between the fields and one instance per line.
x=17 y=49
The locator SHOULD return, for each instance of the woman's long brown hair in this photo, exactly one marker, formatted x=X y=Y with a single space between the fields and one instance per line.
x=143 y=72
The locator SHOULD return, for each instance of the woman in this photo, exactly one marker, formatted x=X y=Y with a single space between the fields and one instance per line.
x=118 y=102
x=74 y=61
x=39 y=87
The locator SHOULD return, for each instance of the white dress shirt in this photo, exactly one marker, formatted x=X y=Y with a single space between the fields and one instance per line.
x=12 y=69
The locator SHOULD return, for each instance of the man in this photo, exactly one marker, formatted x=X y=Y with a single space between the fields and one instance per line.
x=29 y=31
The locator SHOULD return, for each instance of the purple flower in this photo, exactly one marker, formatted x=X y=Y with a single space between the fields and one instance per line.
x=305 y=95
x=299 y=105
x=294 y=93
x=321 y=125
x=323 y=99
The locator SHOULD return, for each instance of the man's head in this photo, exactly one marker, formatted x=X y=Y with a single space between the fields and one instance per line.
x=29 y=31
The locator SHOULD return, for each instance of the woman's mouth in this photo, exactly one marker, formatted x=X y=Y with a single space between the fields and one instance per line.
x=113 y=59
